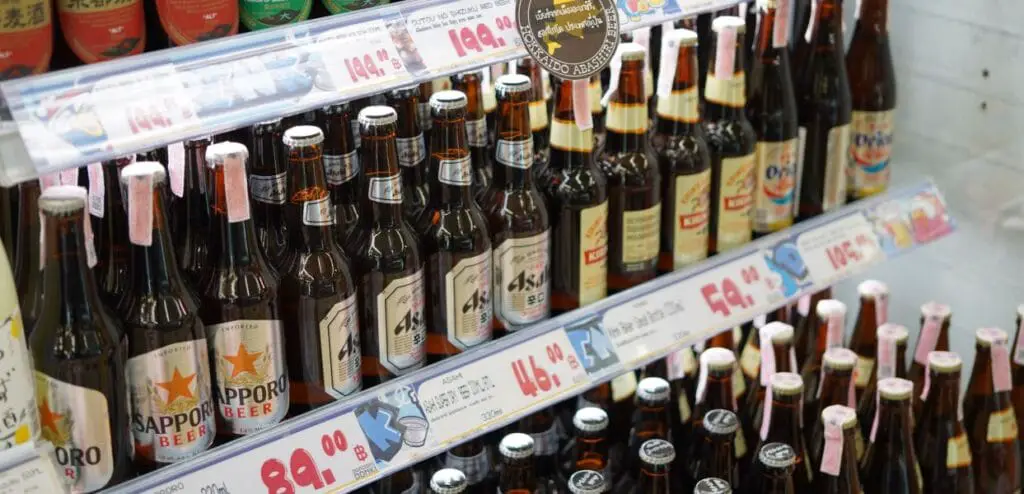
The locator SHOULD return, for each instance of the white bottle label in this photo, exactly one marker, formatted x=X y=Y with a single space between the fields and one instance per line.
x=318 y=213
x=468 y=306
x=401 y=325
x=340 y=355
x=477 y=132
x=521 y=271
x=340 y=168
x=411 y=150
x=514 y=154
x=75 y=420
x=386 y=190
x=270 y=189
x=837 y=156
x=457 y=172
x=251 y=380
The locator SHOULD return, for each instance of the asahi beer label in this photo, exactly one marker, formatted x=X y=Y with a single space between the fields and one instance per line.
x=837 y=155
x=270 y=189
x=20 y=423
x=386 y=190
x=468 y=307
x=690 y=229
x=340 y=168
x=567 y=136
x=401 y=325
x=735 y=198
x=593 y=282
x=680 y=105
x=411 y=150
x=538 y=115
x=477 y=132
x=731 y=92
x=75 y=420
x=261 y=14
x=251 y=380
x=340 y=355
x=458 y=172
x=640 y=238
x=171 y=403
x=515 y=154
x=98 y=31
x=776 y=185
x=870 y=148
x=958 y=452
x=626 y=118
x=27 y=39
x=862 y=372
x=189 y=22
x=318 y=213
x=475 y=468
x=1002 y=426
x=521 y=288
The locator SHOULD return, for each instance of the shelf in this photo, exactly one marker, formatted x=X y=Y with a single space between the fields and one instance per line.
x=413 y=418
x=71 y=118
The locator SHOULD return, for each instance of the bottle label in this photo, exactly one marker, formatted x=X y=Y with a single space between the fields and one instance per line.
x=545 y=443
x=423 y=107
x=567 y=136
x=741 y=444
x=318 y=213
x=515 y=154
x=269 y=189
x=261 y=14
x=340 y=355
x=411 y=150
x=623 y=386
x=458 y=172
x=171 y=405
x=76 y=421
x=356 y=137
x=832 y=452
x=593 y=281
x=401 y=329
x=386 y=190
x=477 y=132
x=189 y=22
x=750 y=359
x=726 y=92
x=871 y=135
x=690 y=239
x=176 y=168
x=735 y=198
x=862 y=372
x=21 y=423
x=680 y=106
x=958 y=452
x=97 y=190
x=739 y=385
x=98 y=31
x=475 y=468
x=683 y=403
x=521 y=270
x=776 y=185
x=1002 y=426
x=468 y=301
x=836 y=157
x=640 y=238
x=250 y=377
x=626 y=118
x=538 y=115
x=27 y=38
x=340 y=168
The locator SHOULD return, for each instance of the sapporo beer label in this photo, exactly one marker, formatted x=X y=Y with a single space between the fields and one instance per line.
x=401 y=324
x=75 y=420
x=26 y=38
x=98 y=30
x=339 y=349
x=468 y=306
x=870 y=147
x=776 y=185
x=20 y=423
x=640 y=238
x=593 y=282
x=192 y=21
x=251 y=381
x=734 y=202
x=690 y=229
x=261 y=14
x=171 y=403
x=522 y=268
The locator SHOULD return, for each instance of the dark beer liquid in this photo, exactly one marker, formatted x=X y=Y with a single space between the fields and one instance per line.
x=189 y=216
x=940 y=439
x=933 y=336
x=805 y=329
x=341 y=167
x=111 y=230
x=873 y=313
x=889 y=465
x=268 y=175
x=786 y=426
x=29 y=261
x=411 y=146
x=476 y=130
x=892 y=340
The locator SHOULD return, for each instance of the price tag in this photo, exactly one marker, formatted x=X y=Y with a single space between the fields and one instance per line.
x=732 y=292
x=453 y=35
x=647 y=325
x=35 y=476
x=839 y=249
x=359 y=56
x=138 y=107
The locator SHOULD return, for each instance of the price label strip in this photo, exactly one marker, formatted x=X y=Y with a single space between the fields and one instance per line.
x=838 y=249
x=360 y=56
x=459 y=34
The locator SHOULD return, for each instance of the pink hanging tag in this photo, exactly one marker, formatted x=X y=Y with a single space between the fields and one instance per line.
x=48 y=180
x=874 y=424
x=927 y=380
x=881 y=308
x=176 y=168
x=140 y=210
x=831 y=457
x=97 y=190
x=834 y=337
x=803 y=305
x=929 y=338
x=1001 y=367
x=780 y=32
x=766 y=421
x=725 y=54
x=581 y=104
x=236 y=190
x=702 y=380
x=69 y=177
x=767 y=357
x=674 y=362
x=886 y=355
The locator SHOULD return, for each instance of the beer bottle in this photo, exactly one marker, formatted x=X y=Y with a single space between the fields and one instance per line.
x=491 y=75
x=268 y=188
x=412 y=152
x=21 y=424
x=473 y=459
x=518 y=475
x=781 y=420
x=776 y=356
x=449 y=481
x=892 y=360
x=716 y=389
x=837 y=470
x=805 y=327
x=168 y=367
x=834 y=387
x=989 y=416
x=386 y=259
x=634 y=179
x=170 y=23
x=108 y=206
x=79 y=351
x=476 y=129
x=405 y=481
x=90 y=33
x=341 y=167
x=542 y=427
x=517 y=216
x=588 y=450
x=29 y=257
x=619 y=408
x=940 y=439
x=824 y=109
x=731 y=138
x=538 y=116
x=934 y=336
x=750 y=356
x=874 y=310
x=189 y=214
x=774 y=473
x=587 y=482
x=261 y=14
x=650 y=413
x=577 y=194
x=715 y=457
x=772 y=112
x=889 y=465
x=683 y=156
x=239 y=305
x=828 y=317
x=456 y=243
x=873 y=97
x=1017 y=371
x=654 y=475
x=712 y=485
x=595 y=93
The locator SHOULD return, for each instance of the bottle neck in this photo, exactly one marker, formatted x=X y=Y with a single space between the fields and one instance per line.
x=67 y=275
x=826 y=27
x=154 y=267
x=772 y=42
x=238 y=245
x=514 y=147
x=311 y=212
x=725 y=94
x=943 y=399
x=653 y=479
x=720 y=459
x=787 y=421
x=679 y=111
x=835 y=388
x=718 y=392
x=518 y=475
x=893 y=428
x=28 y=256
x=874 y=15
x=383 y=179
x=626 y=118
x=451 y=167
x=848 y=474
x=571 y=147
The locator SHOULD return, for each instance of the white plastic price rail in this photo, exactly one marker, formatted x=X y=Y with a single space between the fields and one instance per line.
x=75 y=117
x=389 y=427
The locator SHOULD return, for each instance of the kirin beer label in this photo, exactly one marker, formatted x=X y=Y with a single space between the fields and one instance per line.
x=75 y=420
x=401 y=324
x=251 y=381
x=735 y=198
x=593 y=282
x=339 y=349
x=870 y=149
x=692 y=208
x=521 y=288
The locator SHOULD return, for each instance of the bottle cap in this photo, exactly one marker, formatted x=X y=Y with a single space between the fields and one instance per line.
x=62 y=199
x=657 y=452
x=935 y=309
x=786 y=383
x=721 y=421
x=516 y=445
x=631 y=51
x=777 y=455
x=587 y=482
x=872 y=289
x=653 y=389
x=513 y=83
x=985 y=337
x=377 y=115
x=272 y=121
x=780 y=332
x=712 y=485
x=944 y=362
x=839 y=358
x=717 y=359
x=216 y=153
x=448 y=100
x=895 y=388
x=728 y=21
x=829 y=307
x=841 y=415
x=894 y=331
x=142 y=169
x=590 y=419
x=448 y=481
x=302 y=136
x=684 y=37
x=404 y=92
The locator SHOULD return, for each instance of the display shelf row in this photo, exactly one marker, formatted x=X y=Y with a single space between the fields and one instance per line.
x=417 y=416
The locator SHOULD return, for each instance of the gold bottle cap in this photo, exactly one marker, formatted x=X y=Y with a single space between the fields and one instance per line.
x=944 y=362
x=786 y=383
x=895 y=389
x=839 y=358
x=841 y=415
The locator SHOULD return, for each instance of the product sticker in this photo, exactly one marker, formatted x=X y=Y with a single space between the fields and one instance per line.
x=98 y=31
x=401 y=328
x=515 y=154
x=593 y=282
x=870 y=149
x=776 y=185
x=683 y=403
x=269 y=189
x=469 y=312
x=836 y=157
x=681 y=105
x=1002 y=426
x=318 y=213
x=750 y=359
x=626 y=118
x=567 y=136
x=235 y=190
x=862 y=372
x=386 y=190
x=928 y=339
x=958 y=452
x=692 y=202
x=262 y=14
x=422 y=110
x=726 y=92
x=140 y=210
x=97 y=190
x=176 y=168
x=538 y=115
x=338 y=168
x=75 y=420
x=411 y=150
x=741 y=444
x=20 y=424
x=340 y=355
x=734 y=202
x=476 y=131
x=190 y=22
x=250 y=377
x=27 y=38
x=521 y=270
x=624 y=386
x=457 y=172
x=640 y=238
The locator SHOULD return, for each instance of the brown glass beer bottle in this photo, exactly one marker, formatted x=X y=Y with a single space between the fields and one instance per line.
x=107 y=204
x=892 y=360
x=411 y=147
x=715 y=456
x=29 y=256
x=473 y=459
x=588 y=450
x=804 y=317
x=655 y=468
x=712 y=485
x=774 y=471
x=889 y=465
x=268 y=189
x=874 y=311
x=940 y=439
x=518 y=472
x=834 y=387
x=476 y=129
x=828 y=317
x=933 y=337
x=587 y=482
x=538 y=116
x=781 y=420
x=776 y=356
x=189 y=216
x=1017 y=372
x=716 y=389
x=989 y=416
x=341 y=167
x=543 y=429
x=837 y=463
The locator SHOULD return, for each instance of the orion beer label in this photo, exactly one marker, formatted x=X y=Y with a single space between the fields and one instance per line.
x=870 y=148
x=521 y=271
x=339 y=349
x=401 y=325
x=171 y=406
x=251 y=384
x=776 y=185
x=75 y=420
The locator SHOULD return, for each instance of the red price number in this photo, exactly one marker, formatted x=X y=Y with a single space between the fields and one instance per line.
x=533 y=378
x=847 y=251
x=370 y=66
x=302 y=469
x=478 y=37
x=156 y=114
x=726 y=295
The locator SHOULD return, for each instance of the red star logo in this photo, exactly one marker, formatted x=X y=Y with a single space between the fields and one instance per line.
x=178 y=386
x=48 y=417
x=243 y=361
